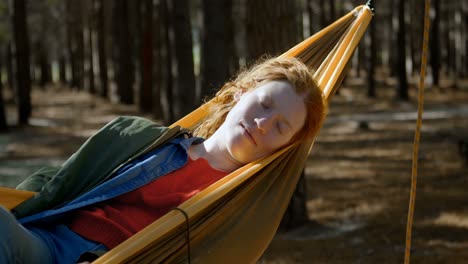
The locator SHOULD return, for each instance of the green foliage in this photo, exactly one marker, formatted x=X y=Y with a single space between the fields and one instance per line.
x=3 y=7
x=5 y=33
x=53 y=2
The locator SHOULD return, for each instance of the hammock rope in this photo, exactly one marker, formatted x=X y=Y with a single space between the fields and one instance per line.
x=417 y=133
x=187 y=236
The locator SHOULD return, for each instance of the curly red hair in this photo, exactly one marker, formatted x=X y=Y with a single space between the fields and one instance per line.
x=290 y=69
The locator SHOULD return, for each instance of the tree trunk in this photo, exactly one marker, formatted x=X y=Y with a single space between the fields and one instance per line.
x=332 y=11
x=80 y=45
x=371 y=63
x=414 y=34
x=22 y=60
x=69 y=42
x=166 y=64
x=215 y=45
x=272 y=31
x=44 y=66
x=323 y=13
x=9 y=65
x=458 y=40
x=75 y=42
x=296 y=213
x=465 y=15
x=401 y=44
x=146 y=57
x=449 y=54
x=2 y=61
x=62 y=68
x=125 y=69
x=259 y=31
x=3 y=119
x=435 y=44
x=183 y=67
x=102 y=51
x=314 y=11
x=394 y=56
x=90 y=48
x=232 y=52
x=157 y=63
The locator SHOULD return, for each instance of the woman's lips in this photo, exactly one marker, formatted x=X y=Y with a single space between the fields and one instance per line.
x=249 y=135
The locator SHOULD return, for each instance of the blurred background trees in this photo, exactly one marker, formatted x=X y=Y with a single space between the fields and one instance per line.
x=166 y=56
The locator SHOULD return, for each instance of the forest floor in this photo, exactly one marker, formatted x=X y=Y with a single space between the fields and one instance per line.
x=358 y=174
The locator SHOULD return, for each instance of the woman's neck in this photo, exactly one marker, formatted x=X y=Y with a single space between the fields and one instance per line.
x=217 y=157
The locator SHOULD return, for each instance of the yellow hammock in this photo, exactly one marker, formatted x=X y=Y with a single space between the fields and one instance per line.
x=234 y=220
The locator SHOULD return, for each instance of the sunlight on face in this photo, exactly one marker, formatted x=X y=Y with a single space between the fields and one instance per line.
x=264 y=119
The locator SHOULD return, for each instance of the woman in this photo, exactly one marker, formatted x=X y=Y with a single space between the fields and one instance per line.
x=265 y=108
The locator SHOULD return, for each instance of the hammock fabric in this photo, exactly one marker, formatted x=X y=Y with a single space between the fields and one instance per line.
x=235 y=219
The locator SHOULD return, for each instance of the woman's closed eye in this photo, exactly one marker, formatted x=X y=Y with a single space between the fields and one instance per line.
x=279 y=128
x=265 y=102
x=283 y=127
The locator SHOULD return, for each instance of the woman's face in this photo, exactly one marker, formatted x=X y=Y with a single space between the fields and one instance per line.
x=263 y=120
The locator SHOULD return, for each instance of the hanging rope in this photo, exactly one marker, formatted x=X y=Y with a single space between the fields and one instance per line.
x=414 y=172
x=187 y=233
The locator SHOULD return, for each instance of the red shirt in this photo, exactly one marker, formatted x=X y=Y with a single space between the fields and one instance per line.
x=114 y=221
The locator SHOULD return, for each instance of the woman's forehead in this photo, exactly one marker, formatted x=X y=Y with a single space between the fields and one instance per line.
x=275 y=87
x=290 y=103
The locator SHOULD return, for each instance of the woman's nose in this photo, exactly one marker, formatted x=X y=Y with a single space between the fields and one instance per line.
x=264 y=123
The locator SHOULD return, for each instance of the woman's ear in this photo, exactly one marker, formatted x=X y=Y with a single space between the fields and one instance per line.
x=238 y=95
